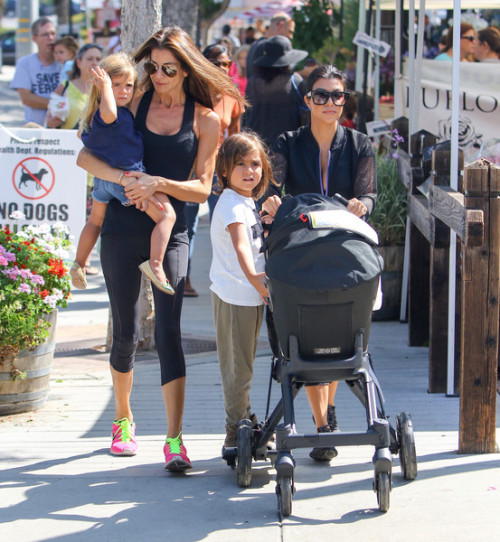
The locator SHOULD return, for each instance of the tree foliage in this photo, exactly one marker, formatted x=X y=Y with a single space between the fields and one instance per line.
x=314 y=23
x=210 y=11
x=321 y=31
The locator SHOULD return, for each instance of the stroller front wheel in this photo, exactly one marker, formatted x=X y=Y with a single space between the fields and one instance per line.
x=284 y=491
x=406 y=441
x=383 y=489
x=244 y=468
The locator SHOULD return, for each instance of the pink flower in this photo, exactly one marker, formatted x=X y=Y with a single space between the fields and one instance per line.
x=24 y=288
x=37 y=279
x=25 y=273
x=11 y=273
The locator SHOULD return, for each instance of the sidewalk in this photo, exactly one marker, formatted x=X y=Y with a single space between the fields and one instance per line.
x=59 y=481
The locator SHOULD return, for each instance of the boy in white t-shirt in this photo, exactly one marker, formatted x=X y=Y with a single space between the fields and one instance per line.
x=238 y=287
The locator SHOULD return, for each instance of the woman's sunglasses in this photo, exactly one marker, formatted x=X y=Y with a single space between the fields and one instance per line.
x=320 y=96
x=151 y=67
x=222 y=63
x=470 y=38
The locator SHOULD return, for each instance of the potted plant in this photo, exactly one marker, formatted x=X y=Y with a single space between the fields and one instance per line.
x=33 y=282
x=389 y=220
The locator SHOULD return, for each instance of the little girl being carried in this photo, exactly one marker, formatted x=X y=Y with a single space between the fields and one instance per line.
x=65 y=50
x=108 y=131
x=238 y=287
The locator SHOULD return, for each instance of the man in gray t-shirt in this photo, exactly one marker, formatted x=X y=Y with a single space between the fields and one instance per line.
x=37 y=75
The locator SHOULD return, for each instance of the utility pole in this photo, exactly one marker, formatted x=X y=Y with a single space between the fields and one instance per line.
x=27 y=14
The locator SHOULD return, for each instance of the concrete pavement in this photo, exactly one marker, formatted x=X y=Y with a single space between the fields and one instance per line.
x=59 y=482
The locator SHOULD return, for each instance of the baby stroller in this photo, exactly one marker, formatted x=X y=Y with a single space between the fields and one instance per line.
x=323 y=272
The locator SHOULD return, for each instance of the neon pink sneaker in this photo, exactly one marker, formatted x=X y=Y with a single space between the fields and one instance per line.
x=176 y=459
x=123 y=438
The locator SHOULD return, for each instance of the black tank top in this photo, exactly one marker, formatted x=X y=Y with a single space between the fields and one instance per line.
x=170 y=156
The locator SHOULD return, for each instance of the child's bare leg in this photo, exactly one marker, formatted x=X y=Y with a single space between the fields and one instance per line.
x=160 y=236
x=90 y=233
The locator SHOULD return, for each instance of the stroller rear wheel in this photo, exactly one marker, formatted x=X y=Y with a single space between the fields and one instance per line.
x=406 y=440
x=284 y=491
x=244 y=468
x=383 y=488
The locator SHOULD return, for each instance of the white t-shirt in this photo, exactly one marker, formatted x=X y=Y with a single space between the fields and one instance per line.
x=39 y=79
x=228 y=280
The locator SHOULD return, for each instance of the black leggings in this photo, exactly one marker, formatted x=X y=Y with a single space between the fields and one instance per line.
x=120 y=259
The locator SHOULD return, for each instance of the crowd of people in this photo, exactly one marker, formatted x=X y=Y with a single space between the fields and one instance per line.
x=198 y=126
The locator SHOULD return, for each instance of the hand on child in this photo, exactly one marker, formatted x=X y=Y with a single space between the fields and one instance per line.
x=101 y=77
x=137 y=190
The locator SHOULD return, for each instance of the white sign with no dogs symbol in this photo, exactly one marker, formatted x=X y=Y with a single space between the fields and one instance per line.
x=33 y=178
x=40 y=177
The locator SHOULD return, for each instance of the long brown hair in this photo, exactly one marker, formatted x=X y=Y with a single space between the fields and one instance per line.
x=116 y=65
x=232 y=150
x=204 y=80
x=491 y=36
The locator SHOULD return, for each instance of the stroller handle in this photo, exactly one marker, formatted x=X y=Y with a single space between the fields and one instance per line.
x=341 y=199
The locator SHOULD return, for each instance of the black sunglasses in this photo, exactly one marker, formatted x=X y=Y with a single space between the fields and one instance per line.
x=320 y=96
x=221 y=63
x=151 y=67
x=470 y=38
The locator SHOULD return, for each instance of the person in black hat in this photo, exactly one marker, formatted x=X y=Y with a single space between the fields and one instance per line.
x=275 y=94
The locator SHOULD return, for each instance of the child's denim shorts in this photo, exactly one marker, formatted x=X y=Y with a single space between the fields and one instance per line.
x=105 y=191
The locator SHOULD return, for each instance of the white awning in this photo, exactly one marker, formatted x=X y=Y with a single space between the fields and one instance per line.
x=267 y=10
x=442 y=4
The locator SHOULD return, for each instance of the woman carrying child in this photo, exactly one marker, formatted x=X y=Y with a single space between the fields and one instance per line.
x=108 y=132
x=173 y=112
x=237 y=271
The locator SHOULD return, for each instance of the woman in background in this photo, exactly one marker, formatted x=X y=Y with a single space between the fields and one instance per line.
x=487 y=45
x=467 y=38
x=78 y=86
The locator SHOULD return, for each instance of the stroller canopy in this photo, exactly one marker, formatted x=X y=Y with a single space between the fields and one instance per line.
x=316 y=244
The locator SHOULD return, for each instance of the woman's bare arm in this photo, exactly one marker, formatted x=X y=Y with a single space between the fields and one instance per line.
x=98 y=167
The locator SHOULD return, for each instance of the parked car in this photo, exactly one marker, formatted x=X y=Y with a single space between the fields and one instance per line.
x=10 y=8
x=8 y=43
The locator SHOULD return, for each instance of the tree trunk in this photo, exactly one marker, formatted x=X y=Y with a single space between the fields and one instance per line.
x=207 y=21
x=183 y=13
x=62 y=11
x=139 y=19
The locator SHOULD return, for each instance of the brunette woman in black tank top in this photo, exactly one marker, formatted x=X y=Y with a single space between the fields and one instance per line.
x=180 y=132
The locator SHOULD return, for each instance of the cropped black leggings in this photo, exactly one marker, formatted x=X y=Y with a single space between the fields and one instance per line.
x=120 y=258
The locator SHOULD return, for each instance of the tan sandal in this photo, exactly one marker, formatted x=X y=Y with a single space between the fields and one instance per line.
x=164 y=287
x=78 y=278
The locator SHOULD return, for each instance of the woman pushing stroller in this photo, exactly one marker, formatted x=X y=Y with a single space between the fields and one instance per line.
x=325 y=158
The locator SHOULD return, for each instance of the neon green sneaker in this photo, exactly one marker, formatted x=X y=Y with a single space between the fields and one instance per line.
x=176 y=459
x=123 y=438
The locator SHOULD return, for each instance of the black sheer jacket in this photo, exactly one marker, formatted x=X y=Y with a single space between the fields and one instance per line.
x=352 y=170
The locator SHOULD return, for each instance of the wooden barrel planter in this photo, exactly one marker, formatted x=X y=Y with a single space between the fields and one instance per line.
x=31 y=392
x=392 y=279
